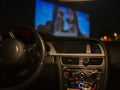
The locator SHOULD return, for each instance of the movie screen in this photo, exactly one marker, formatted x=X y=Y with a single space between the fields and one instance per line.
x=61 y=20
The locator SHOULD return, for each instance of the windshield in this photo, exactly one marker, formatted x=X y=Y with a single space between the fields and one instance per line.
x=97 y=19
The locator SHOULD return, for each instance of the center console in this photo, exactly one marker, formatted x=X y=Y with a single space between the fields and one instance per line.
x=82 y=65
x=87 y=75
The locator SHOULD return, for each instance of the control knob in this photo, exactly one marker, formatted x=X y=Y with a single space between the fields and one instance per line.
x=85 y=61
x=82 y=75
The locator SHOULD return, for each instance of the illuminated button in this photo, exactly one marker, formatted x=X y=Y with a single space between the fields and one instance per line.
x=77 y=89
x=83 y=84
x=80 y=85
x=91 y=83
x=76 y=79
x=67 y=73
x=92 y=88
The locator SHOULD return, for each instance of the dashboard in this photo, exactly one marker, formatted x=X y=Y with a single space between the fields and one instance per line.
x=82 y=63
x=70 y=63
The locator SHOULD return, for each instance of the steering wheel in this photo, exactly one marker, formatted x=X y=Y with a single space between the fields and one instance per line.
x=22 y=52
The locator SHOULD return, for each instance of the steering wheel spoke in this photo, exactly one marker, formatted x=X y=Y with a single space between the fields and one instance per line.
x=30 y=49
x=12 y=35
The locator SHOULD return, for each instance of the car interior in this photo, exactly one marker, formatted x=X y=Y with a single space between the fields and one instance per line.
x=59 y=45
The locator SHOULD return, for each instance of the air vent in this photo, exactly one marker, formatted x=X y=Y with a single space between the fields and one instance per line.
x=95 y=48
x=70 y=60
x=70 y=47
x=95 y=61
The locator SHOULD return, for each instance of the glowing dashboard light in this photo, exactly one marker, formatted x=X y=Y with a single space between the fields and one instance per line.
x=80 y=85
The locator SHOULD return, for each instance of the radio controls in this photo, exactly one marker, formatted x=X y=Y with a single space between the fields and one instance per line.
x=82 y=79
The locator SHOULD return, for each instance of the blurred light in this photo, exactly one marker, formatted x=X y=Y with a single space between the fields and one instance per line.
x=102 y=39
x=105 y=38
x=115 y=34
x=17 y=48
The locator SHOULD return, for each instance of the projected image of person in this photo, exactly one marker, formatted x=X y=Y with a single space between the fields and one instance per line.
x=72 y=27
x=65 y=22
x=59 y=24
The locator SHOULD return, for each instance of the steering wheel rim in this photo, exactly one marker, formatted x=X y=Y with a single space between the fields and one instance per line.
x=38 y=70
